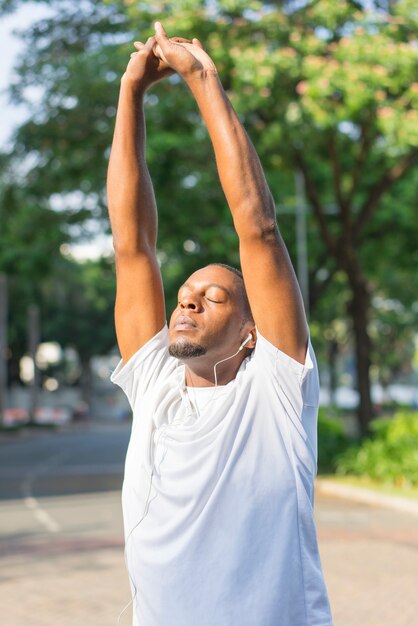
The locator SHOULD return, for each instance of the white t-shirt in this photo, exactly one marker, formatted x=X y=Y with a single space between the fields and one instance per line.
x=218 y=492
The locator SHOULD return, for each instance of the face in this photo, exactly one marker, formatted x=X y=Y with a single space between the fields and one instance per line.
x=209 y=317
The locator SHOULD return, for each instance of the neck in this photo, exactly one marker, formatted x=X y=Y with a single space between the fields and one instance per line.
x=201 y=374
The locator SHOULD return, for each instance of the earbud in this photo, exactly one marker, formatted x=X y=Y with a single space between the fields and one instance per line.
x=246 y=340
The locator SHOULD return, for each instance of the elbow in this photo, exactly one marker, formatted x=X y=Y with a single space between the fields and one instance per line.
x=256 y=219
x=132 y=247
x=262 y=231
x=268 y=232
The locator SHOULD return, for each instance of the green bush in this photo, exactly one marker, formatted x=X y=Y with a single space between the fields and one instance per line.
x=391 y=453
x=332 y=441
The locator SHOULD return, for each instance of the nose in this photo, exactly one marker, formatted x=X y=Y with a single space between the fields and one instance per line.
x=190 y=303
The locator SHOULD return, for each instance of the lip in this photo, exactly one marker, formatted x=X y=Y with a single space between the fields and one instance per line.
x=184 y=323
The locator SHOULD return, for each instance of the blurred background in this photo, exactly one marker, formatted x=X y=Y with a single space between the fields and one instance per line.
x=328 y=92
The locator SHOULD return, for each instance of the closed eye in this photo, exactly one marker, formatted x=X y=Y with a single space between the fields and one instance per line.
x=214 y=301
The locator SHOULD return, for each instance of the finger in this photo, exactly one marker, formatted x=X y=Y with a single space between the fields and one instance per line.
x=149 y=44
x=139 y=45
x=197 y=42
x=133 y=54
x=159 y=30
x=162 y=49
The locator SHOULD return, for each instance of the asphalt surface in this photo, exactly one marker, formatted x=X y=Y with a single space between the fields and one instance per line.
x=61 y=556
x=79 y=458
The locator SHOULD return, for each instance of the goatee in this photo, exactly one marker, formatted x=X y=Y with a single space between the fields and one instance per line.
x=182 y=350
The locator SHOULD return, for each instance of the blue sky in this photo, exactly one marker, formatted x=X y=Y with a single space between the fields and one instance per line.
x=10 y=116
x=10 y=47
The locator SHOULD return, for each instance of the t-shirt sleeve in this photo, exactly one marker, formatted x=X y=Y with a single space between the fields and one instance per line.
x=302 y=378
x=142 y=370
x=297 y=386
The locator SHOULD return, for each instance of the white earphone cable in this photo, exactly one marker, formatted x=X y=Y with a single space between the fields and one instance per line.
x=248 y=338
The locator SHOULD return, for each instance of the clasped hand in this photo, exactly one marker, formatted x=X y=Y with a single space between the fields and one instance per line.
x=160 y=57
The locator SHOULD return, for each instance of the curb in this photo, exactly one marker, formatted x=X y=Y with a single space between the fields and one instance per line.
x=366 y=496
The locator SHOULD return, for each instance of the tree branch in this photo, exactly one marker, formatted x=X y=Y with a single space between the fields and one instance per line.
x=316 y=204
x=336 y=174
x=386 y=181
x=365 y=143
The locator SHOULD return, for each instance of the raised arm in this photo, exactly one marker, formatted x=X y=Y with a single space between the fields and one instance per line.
x=271 y=284
x=139 y=309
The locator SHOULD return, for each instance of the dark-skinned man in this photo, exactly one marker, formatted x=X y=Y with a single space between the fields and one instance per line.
x=218 y=488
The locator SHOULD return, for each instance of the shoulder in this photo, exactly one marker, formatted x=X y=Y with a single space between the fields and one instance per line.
x=146 y=367
x=297 y=379
x=272 y=356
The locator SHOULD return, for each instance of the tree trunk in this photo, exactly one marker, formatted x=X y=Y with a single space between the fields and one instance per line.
x=359 y=312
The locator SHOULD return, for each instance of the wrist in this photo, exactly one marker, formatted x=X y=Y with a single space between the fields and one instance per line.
x=137 y=87
x=200 y=76
x=202 y=80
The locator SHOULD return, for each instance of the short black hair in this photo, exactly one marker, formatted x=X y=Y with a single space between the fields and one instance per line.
x=234 y=270
x=243 y=292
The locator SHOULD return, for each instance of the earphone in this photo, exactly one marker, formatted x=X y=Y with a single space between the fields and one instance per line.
x=246 y=340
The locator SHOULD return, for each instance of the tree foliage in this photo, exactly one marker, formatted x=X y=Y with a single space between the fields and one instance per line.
x=327 y=88
x=391 y=456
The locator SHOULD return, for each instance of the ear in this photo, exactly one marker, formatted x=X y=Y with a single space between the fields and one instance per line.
x=250 y=344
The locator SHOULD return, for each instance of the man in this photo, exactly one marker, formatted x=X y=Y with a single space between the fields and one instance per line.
x=218 y=487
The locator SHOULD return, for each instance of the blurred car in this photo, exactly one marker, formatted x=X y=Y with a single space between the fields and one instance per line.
x=14 y=417
x=52 y=415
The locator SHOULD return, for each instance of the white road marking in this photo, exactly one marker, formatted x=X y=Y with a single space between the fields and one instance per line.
x=31 y=503
x=54 y=467
x=41 y=515
x=46 y=520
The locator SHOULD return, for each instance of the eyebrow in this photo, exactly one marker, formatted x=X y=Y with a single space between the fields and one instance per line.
x=210 y=285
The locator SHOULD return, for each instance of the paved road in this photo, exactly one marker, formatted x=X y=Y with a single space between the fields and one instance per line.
x=76 y=459
x=61 y=557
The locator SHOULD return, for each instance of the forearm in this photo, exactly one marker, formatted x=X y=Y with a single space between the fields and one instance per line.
x=131 y=200
x=239 y=168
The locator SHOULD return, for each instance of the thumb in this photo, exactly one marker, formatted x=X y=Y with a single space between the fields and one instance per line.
x=163 y=43
x=160 y=34
x=196 y=41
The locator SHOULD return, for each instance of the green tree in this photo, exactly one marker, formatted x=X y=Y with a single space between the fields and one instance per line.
x=30 y=238
x=77 y=311
x=326 y=88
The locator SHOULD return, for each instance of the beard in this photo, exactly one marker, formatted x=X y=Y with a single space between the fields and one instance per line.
x=186 y=350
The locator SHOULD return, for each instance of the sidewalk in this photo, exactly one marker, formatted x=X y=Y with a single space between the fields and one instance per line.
x=70 y=575
x=369 y=557
x=74 y=573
